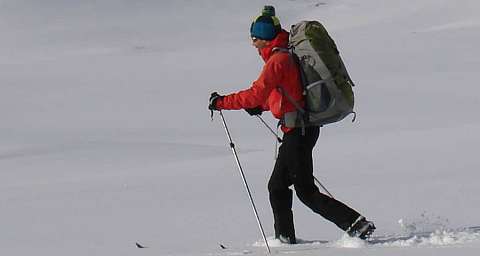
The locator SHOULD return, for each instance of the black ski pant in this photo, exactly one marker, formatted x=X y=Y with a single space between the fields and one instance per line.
x=294 y=166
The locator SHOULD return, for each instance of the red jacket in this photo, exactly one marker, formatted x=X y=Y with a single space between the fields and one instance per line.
x=280 y=70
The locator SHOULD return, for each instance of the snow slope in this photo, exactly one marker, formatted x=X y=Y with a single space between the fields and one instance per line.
x=106 y=140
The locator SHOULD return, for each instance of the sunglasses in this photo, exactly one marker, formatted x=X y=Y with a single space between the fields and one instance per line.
x=254 y=39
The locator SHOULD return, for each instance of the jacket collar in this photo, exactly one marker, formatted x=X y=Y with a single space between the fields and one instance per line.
x=280 y=41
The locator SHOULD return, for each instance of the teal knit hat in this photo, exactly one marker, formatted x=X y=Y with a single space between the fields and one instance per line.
x=267 y=25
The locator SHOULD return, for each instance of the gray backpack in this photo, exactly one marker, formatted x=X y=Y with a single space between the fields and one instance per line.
x=327 y=87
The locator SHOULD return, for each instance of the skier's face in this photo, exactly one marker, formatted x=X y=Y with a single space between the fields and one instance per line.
x=259 y=43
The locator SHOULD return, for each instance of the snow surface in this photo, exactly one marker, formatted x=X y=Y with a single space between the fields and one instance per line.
x=106 y=139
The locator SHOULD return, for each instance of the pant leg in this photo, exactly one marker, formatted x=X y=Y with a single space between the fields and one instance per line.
x=331 y=209
x=281 y=198
x=299 y=151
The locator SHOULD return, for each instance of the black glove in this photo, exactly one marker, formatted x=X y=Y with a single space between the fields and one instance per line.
x=212 y=103
x=254 y=111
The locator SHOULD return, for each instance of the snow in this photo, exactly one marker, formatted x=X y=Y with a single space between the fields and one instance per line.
x=106 y=139
x=435 y=238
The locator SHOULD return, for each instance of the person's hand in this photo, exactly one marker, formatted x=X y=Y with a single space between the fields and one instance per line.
x=254 y=111
x=212 y=103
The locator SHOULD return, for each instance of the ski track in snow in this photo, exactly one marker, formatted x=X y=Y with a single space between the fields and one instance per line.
x=458 y=25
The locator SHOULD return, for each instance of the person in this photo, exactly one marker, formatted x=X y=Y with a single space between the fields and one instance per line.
x=294 y=164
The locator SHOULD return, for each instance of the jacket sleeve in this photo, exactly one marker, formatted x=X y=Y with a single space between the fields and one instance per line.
x=258 y=93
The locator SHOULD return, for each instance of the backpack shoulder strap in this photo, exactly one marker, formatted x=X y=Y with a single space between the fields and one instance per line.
x=280 y=49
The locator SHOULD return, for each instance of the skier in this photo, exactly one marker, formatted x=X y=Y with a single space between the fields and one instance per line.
x=294 y=164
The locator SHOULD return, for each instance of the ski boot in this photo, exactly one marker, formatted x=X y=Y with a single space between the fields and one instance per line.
x=287 y=240
x=361 y=228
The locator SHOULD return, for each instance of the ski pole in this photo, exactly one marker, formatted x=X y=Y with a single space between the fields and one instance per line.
x=270 y=128
x=232 y=146
x=323 y=187
x=279 y=140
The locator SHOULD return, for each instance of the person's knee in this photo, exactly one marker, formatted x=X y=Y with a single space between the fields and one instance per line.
x=284 y=193
x=281 y=198
x=271 y=186
x=275 y=185
x=312 y=196
x=304 y=193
